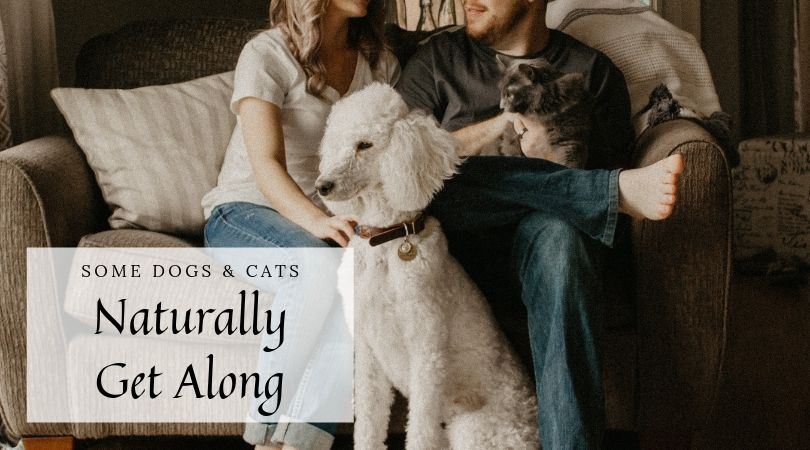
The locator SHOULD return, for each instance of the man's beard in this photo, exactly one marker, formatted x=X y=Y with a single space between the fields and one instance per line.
x=496 y=28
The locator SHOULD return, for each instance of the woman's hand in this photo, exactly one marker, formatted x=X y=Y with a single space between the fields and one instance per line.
x=337 y=228
x=264 y=138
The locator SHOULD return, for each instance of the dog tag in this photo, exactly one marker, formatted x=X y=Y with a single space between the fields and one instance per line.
x=406 y=251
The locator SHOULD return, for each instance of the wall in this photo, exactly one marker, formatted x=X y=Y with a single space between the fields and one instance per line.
x=79 y=20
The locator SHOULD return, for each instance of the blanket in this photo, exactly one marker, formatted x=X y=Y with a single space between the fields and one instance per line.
x=646 y=48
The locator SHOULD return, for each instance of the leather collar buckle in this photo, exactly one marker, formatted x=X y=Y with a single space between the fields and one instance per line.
x=377 y=236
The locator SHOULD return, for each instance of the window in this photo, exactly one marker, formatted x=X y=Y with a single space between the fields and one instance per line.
x=655 y=4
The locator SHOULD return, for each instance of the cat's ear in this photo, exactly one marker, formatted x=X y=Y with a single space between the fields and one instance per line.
x=527 y=71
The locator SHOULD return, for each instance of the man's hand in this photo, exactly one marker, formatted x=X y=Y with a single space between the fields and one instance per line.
x=476 y=138
x=534 y=142
x=533 y=135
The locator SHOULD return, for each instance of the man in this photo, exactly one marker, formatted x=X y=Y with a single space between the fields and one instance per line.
x=529 y=218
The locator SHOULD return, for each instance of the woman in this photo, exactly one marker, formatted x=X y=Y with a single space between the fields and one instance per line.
x=286 y=80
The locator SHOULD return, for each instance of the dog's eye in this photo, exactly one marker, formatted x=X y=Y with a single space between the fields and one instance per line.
x=363 y=145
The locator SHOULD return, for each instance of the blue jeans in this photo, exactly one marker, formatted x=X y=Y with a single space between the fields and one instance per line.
x=241 y=224
x=549 y=226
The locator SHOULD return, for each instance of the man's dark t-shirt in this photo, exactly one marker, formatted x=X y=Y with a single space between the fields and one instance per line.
x=456 y=79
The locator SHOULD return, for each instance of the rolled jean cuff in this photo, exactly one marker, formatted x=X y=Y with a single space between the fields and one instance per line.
x=612 y=215
x=258 y=433
x=301 y=435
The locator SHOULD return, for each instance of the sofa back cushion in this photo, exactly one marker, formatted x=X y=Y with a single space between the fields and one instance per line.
x=166 y=51
x=169 y=51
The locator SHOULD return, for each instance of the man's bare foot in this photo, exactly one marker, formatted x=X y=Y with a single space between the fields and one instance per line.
x=274 y=447
x=650 y=192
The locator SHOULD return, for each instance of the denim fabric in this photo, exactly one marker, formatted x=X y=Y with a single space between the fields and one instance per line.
x=548 y=227
x=315 y=436
x=241 y=224
x=560 y=271
x=496 y=191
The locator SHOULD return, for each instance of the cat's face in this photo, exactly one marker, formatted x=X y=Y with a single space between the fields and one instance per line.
x=541 y=89
x=514 y=95
x=512 y=82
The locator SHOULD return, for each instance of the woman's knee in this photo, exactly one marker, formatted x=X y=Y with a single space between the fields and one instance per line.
x=249 y=225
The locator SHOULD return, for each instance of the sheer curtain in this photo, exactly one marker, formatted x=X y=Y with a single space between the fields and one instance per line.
x=30 y=65
x=767 y=63
x=801 y=65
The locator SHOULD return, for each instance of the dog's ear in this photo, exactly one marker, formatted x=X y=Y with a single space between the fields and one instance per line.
x=420 y=158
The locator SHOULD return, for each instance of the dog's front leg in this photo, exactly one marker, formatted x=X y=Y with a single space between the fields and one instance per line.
x=426 y=339
x=373 y=398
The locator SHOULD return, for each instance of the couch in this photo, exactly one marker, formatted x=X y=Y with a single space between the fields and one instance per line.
x=663 y=350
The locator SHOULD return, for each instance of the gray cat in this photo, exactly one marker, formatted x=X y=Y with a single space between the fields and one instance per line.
x=558 y=100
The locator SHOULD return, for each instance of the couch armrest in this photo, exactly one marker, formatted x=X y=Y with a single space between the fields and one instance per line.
x=49 y=194
x=683 y=267
x=48 y=198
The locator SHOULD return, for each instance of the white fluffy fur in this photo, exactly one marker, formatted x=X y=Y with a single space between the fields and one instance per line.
x=422 y=326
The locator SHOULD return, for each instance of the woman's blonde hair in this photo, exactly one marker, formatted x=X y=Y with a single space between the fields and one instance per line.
x=300 y=20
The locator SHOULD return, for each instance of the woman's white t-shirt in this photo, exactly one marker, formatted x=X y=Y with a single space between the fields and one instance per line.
x=268 y=71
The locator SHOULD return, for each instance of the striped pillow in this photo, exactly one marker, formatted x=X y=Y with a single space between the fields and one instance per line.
x=155 y=150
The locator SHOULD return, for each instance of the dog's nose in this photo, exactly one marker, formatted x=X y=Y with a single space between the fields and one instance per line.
x=324 y=187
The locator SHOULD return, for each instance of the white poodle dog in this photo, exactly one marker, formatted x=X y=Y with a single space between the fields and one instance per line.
x=422 y=326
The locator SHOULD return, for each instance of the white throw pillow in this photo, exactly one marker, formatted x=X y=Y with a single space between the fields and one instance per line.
x=155 y=150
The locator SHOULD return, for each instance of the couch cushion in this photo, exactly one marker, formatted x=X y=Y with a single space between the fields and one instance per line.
x=155 y=151
x=187 y=294
x=165 y=51
x=168 y=51
x=135 y=238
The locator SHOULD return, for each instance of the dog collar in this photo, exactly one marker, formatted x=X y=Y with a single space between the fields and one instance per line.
x=377 y=236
